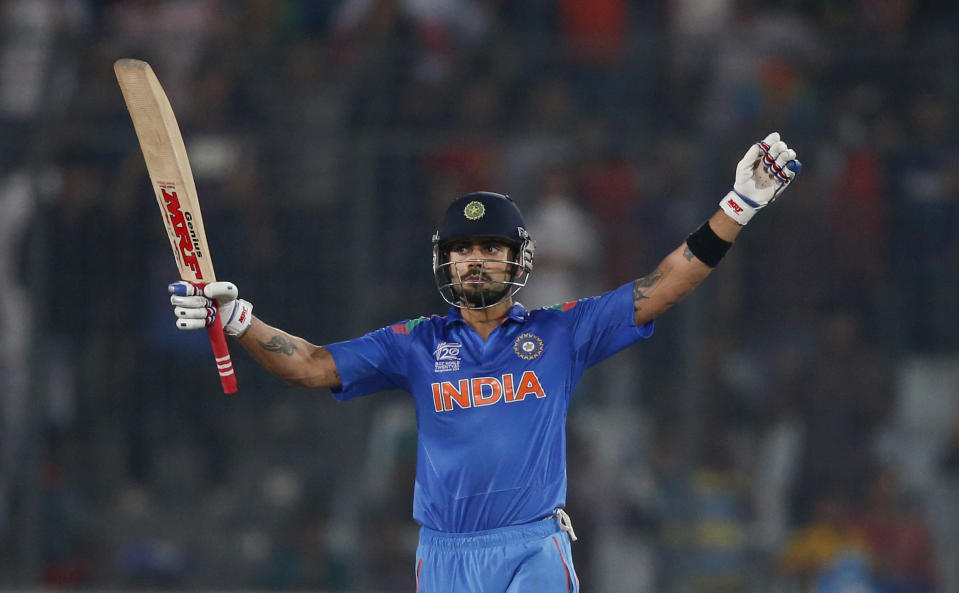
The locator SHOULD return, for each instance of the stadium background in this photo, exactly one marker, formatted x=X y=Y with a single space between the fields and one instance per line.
x=792 y=425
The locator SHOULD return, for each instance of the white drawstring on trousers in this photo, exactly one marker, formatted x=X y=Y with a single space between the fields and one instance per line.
x=565 y=523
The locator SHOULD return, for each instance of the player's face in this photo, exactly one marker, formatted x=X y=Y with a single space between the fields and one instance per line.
x=480 y=270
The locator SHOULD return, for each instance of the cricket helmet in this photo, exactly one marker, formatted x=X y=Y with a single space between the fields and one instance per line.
x=481 y=215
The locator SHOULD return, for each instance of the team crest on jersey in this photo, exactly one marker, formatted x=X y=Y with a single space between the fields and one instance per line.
x=528 y=346
x=447 y=357
x=474 y=210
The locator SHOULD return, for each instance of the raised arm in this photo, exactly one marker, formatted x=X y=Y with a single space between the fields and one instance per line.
x=678 y=274
x=761 y=176
x=290 y=358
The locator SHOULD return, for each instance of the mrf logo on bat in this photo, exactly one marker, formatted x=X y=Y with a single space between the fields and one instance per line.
x=184 y=229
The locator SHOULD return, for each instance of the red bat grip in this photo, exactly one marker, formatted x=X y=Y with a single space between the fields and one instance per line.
x=221 y=353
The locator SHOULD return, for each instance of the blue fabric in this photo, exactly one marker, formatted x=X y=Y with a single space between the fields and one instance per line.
x=532 y=558
x=491 y=414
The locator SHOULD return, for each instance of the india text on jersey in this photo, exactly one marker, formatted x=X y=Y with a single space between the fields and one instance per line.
x=485 y=391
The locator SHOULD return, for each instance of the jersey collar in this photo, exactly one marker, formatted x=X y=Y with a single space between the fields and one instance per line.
x=517 y=313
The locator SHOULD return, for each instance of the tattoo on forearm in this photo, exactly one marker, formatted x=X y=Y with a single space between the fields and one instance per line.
x=642 y=286
x=279 y=344
x=687 y=254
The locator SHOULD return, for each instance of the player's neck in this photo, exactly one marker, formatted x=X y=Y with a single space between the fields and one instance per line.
x=484 y=321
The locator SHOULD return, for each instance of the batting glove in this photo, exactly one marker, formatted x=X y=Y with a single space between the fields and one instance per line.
x=761 y=176
x=193 y=306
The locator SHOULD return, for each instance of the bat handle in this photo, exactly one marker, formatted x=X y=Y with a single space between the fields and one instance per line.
x=221 y=353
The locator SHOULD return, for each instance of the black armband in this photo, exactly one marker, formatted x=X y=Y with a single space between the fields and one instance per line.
x=707 y=246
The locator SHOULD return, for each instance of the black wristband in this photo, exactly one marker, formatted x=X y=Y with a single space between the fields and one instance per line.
x=707 y=246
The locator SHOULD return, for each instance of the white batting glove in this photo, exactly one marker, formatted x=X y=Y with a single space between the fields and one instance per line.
x=194 y=308
x=761 y=176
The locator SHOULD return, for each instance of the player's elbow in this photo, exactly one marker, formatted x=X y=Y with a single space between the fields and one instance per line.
x=316 y=369
x=315 y=382
x=319 y=372
x=308 y=379
x=300 y=381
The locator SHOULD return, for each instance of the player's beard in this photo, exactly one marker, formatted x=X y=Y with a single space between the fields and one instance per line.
x=480 y=292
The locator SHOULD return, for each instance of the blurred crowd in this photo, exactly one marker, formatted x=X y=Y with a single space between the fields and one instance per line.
x=793 y=426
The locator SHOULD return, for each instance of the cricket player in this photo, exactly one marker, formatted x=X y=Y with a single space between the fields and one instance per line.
x=491 y=381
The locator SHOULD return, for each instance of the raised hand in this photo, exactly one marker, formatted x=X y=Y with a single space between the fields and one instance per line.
x=766 y=169
x=194 y=306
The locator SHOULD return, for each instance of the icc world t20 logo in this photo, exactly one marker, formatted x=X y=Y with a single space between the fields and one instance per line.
x=447 y=357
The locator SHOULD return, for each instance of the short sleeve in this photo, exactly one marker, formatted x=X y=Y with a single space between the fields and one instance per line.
x=374 y=362
x=604 y=325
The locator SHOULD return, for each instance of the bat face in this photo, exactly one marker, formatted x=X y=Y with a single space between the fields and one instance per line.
x=168 y=166
x=172 y=181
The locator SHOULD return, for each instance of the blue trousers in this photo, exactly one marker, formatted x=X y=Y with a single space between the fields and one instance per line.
x=532 y=558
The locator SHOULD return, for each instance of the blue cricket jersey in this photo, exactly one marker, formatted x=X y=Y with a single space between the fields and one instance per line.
x=490 y=415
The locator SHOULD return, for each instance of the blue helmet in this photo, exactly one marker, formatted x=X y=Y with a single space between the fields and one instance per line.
x=482 y=215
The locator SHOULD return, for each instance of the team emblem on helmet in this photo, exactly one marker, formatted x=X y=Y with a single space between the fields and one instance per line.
x=474 y=210
x=528 y=346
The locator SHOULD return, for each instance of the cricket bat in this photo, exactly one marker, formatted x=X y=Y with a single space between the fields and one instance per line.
x=175 y=190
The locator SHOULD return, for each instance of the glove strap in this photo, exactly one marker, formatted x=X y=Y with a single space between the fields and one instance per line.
x=739 y=207
x=240 y=318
